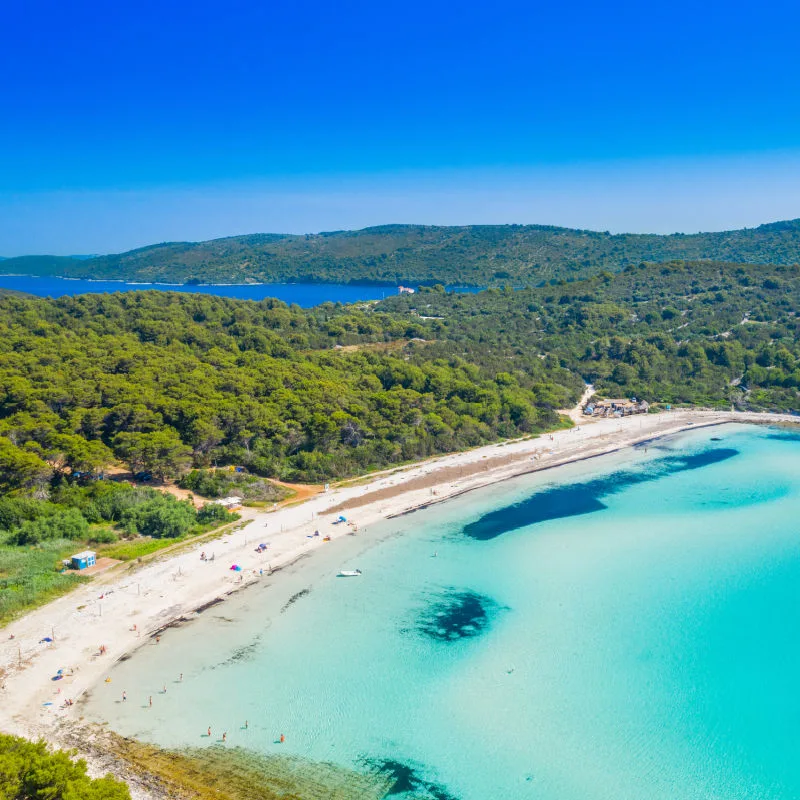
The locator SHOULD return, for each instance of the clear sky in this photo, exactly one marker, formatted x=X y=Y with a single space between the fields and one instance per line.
x=125 y=123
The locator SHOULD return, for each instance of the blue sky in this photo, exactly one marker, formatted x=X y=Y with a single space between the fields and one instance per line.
x=127 y=123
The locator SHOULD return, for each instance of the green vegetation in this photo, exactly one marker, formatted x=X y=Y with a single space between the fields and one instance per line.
x=29 y=577
x=161 y=381
x=168 y=382
x=691 y=333
x=165 y=382
x=474 y=255
x=32 y=771
x=225 y=483
x=115 y=519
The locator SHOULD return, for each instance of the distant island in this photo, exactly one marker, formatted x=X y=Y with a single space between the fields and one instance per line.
x=471 y=255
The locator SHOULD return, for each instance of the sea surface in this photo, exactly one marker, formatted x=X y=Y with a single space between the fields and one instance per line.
x=617 y=629
x=304 y=294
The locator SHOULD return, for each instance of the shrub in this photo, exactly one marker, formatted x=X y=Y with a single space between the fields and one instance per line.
x=213 y=512
x=32 y=770
x=69 y=524
x=167 y=518
x=103 y=536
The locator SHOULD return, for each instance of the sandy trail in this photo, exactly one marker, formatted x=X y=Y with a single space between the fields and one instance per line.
x=152 y=595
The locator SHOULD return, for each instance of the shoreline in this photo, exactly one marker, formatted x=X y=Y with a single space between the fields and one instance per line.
x=128 y=606
x=557 y=464
x=172 y=283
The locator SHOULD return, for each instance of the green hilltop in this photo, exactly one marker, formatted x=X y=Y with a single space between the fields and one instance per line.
x=473 y=255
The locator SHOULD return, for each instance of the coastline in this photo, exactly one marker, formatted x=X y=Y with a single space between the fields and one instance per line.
x=160 y=593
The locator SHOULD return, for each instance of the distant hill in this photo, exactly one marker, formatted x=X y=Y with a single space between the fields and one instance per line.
x=476 y=255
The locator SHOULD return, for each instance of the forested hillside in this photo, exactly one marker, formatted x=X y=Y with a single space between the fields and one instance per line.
x=681 y=332
x=163 y=381
x=476 y=255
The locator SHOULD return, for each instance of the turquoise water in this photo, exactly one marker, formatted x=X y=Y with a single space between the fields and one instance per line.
x=621 y=628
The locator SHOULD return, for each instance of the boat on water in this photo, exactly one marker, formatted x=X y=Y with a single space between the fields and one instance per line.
x=349 y=573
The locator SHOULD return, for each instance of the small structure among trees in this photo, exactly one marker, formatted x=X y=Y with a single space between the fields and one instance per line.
x=616 y=408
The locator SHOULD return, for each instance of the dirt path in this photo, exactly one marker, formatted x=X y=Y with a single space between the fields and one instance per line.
x=576 y=413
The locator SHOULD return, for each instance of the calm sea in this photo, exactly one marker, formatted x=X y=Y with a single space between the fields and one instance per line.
x=304 y=294
x=618 y=629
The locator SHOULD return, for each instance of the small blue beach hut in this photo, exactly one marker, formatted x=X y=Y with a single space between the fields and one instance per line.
x=87 y=558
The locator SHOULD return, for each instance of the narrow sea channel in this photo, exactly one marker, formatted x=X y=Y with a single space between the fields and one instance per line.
x=617 y=629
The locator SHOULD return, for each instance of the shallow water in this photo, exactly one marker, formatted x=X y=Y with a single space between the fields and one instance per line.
x=624 y=627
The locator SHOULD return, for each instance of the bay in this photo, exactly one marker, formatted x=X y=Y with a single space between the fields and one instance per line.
x=303 y=294
x=615 y=629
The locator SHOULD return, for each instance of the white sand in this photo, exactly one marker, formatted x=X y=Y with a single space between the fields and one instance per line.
x=153 y=594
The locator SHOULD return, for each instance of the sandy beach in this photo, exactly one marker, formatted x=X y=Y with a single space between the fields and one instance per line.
x=123 y=608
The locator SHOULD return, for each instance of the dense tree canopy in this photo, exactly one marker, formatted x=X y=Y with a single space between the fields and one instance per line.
x=681 y=332
x=161 y=381
x=166 y=381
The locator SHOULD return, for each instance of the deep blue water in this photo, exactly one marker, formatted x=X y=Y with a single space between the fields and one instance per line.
x=304 y=294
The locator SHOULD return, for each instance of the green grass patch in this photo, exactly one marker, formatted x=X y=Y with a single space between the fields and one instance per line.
x=136 y=548
x=30 y=577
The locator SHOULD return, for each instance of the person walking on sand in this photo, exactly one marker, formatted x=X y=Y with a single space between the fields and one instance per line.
x=209 y=732
x=124 y=696
x=164 y=690
x=151 y=701
x=181 y=677
x=224 y=736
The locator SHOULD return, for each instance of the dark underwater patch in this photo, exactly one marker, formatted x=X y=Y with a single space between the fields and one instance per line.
x=244 y=653
x=405 y=779
x=455 y=614
x=294 y=598
x=783 y=436
x=575 y=499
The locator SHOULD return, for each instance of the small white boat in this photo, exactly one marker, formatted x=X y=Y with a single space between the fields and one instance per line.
x=349 y=573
